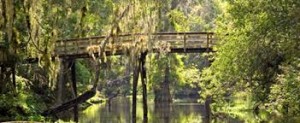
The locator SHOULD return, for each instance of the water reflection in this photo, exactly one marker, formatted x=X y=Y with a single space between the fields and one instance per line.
x=120 y=109
x=178 y=113
x=120 y=112
x=162 y=112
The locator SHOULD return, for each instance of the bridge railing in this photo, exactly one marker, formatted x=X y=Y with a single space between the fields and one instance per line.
x=178 y=40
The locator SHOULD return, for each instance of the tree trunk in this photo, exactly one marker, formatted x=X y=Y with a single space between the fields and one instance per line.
x=126 y=89
x=162 y=93
x=166 y=86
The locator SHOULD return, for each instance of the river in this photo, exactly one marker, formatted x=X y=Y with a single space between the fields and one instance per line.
x=119 y=112
x=178 y=112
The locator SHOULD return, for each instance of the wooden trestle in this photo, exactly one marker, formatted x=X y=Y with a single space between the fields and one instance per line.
x=179 y=42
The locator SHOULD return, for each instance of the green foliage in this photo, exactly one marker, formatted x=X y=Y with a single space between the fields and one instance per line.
x=257 y=56
x=83 y=72
x=180 y=77
x=24 y=105
x=285 y=92
x=157 y=66
x=258 y=42
x=179 y=20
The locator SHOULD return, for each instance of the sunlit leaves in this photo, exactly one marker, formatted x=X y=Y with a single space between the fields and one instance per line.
x=256 y=43
x=285 y=92
x=179 y=20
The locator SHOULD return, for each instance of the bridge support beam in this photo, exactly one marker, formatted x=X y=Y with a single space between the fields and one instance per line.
x=144 y=85
x=74 y=87
x=13 y=70
x=140 y=69
x=61 y=84
x=136 y=72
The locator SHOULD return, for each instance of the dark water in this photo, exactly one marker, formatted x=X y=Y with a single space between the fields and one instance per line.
x=120 y=109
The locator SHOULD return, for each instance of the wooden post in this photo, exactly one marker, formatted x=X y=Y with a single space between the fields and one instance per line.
x=184 y=43
x=211 y=39
x=74 y=87
x=207 y=41
x=65 y=46
x=61 y=82
x=207 y=108
x=77 y=47
x=13 y=69
x=144 y=85
x=134 y=89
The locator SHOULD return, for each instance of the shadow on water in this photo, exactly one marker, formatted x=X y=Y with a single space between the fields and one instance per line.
x=120 y=112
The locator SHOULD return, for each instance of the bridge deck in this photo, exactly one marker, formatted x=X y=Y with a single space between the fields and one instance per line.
x=180 y=42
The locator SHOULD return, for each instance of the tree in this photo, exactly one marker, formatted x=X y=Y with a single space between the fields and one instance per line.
x=258 y=40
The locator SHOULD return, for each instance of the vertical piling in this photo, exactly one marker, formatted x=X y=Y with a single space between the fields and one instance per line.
x=74 y=87
x=144 y=85
x=61 y=82
x=134 y=89
x=13 y=70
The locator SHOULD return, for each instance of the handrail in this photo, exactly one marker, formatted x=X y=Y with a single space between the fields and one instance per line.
x=136 y=34
x=180 y=42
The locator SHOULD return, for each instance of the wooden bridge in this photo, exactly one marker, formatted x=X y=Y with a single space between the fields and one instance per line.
x=179 y=42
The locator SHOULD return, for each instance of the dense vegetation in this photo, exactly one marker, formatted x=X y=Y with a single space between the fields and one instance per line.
x=257 y=58
x=255 y=67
